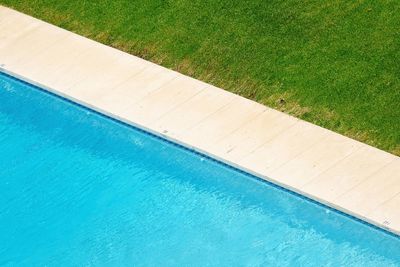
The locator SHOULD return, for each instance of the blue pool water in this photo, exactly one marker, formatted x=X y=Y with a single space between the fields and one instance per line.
x=80 y=189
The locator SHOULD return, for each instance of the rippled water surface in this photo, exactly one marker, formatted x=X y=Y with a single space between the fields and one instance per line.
x=78 y=189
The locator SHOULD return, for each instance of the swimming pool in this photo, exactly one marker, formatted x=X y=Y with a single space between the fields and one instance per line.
x=80 y=189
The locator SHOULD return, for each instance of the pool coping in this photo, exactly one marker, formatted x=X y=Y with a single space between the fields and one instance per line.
x=384 y=216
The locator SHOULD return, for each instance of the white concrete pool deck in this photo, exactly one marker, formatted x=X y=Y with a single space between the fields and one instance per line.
x=335 y=170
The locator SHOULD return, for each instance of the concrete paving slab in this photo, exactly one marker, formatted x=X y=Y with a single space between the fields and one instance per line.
x=263 y=128
x=284 y=147
x=387 y=214
x=381 y=187
x=164 y=99
x=30 y=43
x=190 y=113
x=306 y=166
x=348 y=173
x=222 y=123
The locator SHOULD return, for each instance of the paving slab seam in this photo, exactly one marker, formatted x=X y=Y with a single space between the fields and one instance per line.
x=367 y=178
x=179 y=105
x=240 y=126
x=211 y=114
x=330 y=165
x=300 y=153
x=176 y=106
x=333 y=166
x=268 y=141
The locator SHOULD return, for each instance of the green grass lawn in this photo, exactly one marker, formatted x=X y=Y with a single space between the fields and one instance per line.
x=334 y=63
